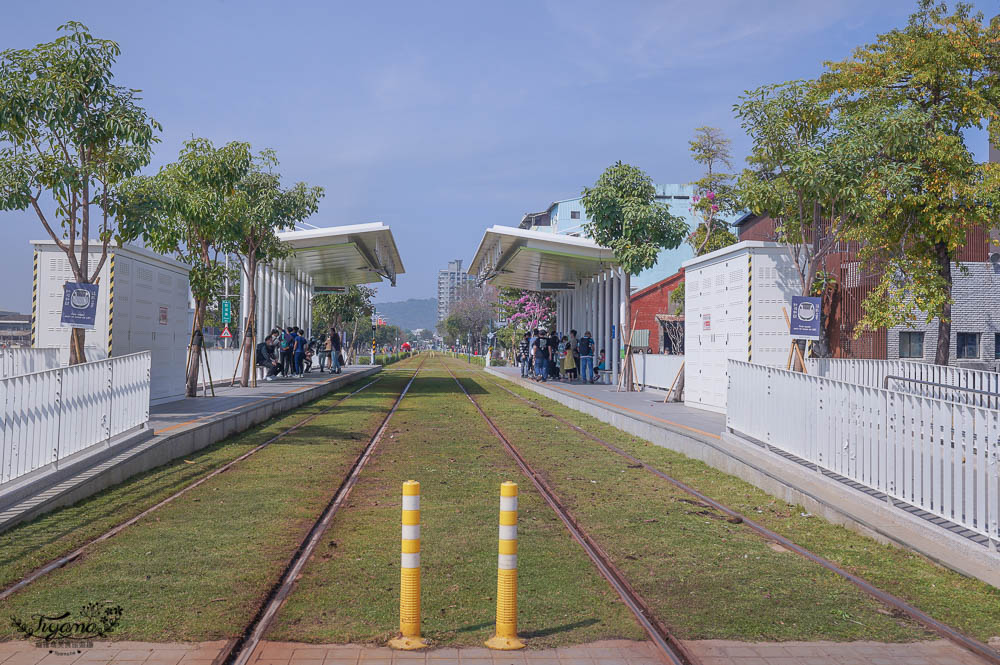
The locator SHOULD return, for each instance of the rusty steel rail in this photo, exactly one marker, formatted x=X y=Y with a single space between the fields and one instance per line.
x=58 y=563
x=953 y=635
x=672 y=649
x=239 y=651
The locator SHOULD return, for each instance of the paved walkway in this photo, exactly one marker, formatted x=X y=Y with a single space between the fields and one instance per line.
x=648 y=404
x=179 y=414
x=611 y=652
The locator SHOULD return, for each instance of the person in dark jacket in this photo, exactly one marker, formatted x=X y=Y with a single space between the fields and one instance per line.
x=267 y=358
x=336 y=359
x=553 y=355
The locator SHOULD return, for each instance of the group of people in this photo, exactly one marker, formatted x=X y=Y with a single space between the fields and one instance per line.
x=289 y=352
x=546 y=355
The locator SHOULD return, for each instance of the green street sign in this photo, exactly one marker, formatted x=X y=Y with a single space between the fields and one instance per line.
x=227 y=311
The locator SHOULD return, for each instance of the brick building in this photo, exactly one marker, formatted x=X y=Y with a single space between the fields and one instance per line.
x=975 y=314
x=652 y=311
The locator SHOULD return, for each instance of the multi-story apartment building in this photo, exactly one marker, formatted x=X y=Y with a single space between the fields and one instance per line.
x=450 y=284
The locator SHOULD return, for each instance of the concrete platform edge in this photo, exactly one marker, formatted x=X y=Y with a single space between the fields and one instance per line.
x=151 y=450
x=795 y=484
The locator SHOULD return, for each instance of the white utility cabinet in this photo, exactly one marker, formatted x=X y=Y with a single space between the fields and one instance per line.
x=150 y=311
x=732 y=310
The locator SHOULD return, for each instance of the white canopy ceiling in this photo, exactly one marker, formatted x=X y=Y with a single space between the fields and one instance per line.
x=536 y=260
x=345 y=255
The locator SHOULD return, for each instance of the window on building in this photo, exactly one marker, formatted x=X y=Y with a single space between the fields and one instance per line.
x=996 y=346
x=911 y=344
x=968 y=345
x=574 y=214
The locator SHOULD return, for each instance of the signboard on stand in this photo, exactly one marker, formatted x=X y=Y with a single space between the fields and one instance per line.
x=225 y=334
x=79 y=307
x=806 y=315
x=227 y=312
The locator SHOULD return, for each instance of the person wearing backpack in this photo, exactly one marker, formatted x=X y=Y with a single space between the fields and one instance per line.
x=285 y=343
x=587 y=358
x=540 y=348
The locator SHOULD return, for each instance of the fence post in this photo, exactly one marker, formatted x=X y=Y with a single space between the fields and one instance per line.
x=59 y=394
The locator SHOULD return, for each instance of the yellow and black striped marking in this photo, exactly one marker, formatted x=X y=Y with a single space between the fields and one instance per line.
x=749 y=307
x=111 y=300
x=34 y=302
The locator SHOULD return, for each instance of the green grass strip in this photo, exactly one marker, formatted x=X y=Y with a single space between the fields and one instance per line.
x=32 y=544
x=350 y=592
x=198 y=568
x=962 y=602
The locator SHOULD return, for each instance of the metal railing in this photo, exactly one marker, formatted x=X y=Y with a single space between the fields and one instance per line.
x=47 y=416
x=938 y=455
x=968 y=386
x=14 y=362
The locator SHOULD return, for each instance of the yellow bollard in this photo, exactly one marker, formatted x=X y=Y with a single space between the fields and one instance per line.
x=409 y=574
x=506 y=633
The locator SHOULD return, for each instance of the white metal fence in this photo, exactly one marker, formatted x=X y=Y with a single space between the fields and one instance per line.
x=14 y=362
x=657 y=370
x=50 y=415
x=967 y=386
x=938 y=455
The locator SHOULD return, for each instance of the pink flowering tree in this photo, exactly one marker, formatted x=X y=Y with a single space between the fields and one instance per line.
x=714 y=199
x=525 y=310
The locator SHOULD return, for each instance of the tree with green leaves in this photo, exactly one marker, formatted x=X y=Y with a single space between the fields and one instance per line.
x=626 y=218
x=263 y=208
x=909 y=100
x=189 y=210
x=352 y=308
x=715 y=197
x=69 y=137
x=804 y=172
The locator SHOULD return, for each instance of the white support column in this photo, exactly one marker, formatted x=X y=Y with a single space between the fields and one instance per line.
x=613 y=352
x=608 y=317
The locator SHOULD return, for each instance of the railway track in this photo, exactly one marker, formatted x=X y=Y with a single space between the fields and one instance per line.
x=240 y=651
x=66 y=559
x=968 y=643
x=672 y=649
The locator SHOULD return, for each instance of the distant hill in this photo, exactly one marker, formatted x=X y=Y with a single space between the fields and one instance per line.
x=410 y=314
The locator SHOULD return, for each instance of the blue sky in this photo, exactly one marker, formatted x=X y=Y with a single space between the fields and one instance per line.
x=444 y=118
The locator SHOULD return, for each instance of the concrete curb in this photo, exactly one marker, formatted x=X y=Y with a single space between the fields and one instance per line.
x=153 y=450
x=797 y=484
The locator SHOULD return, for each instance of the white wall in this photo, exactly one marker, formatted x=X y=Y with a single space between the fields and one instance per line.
x=730 y=315
x=150 y=312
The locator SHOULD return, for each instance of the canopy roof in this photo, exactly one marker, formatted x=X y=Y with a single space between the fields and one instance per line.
x=345 y=255
x=537 y=260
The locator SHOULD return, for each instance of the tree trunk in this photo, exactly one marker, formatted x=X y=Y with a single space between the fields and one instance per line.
x=77 y=354
x=943 y=352
x=250 y=348
x=627 y=332
x=197 y=341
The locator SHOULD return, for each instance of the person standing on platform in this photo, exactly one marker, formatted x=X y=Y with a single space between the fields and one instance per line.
x=553 y=347
x=333 y=340
x=524 y=350
x=587 y=358
x=286 y=347
x=539 y=346
x=298 y=351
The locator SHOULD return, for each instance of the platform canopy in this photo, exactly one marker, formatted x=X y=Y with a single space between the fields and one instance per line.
x=344 y=255
x=538 y=260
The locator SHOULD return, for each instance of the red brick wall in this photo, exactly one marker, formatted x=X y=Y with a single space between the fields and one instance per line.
x=650 y=301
